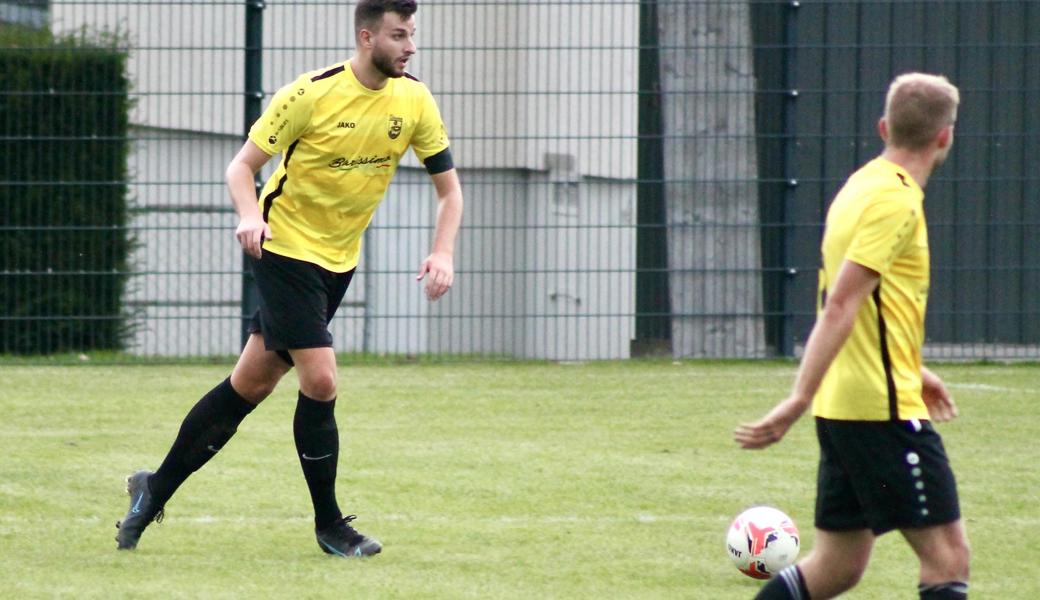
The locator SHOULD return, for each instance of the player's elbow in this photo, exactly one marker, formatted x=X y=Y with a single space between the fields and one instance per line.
x=840 y=311
x=235 y=171
x=453 y=200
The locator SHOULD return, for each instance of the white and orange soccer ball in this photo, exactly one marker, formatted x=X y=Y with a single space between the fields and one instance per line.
x=762 y=541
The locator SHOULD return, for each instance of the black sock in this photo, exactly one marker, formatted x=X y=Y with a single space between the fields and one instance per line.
x=317 y=443
x=787 y=585
x=950 y=590
x=204 y=431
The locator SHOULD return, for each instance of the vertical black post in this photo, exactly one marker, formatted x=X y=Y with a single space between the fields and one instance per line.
x=653 y=305
x=254 y=96
x=790 y=166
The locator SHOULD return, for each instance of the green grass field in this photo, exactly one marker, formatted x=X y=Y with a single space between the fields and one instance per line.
x=483 y=480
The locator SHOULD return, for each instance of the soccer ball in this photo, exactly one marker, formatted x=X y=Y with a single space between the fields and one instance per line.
x=762 y=541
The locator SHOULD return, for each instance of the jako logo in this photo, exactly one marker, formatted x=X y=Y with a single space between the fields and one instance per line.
x=347 y=124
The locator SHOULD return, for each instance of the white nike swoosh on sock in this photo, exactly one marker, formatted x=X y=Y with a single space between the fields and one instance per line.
x=305 y=457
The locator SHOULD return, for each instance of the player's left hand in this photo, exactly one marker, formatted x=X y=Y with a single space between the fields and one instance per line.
x=439 y=271
x=941 y=407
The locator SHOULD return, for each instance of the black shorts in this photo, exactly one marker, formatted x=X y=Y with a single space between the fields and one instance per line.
x=297 y=302
x=883 y=475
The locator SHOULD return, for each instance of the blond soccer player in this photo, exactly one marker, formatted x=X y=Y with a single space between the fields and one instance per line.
x=882 y=464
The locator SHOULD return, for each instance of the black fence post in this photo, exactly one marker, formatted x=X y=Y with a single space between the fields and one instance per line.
x=254 y=95
x=653 y=304
x=790 y=171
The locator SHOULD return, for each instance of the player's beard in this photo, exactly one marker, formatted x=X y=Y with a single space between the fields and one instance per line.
x=385 y=64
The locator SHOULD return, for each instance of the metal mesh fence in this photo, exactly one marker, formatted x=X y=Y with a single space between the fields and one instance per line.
x=641 y=177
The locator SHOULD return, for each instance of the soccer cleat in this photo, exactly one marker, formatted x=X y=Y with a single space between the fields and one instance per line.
x=343 y=540
x=141 y=512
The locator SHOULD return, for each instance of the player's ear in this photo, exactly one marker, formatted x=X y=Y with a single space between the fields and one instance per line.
x=945 y=136
x=882 y=129
x=364 y=38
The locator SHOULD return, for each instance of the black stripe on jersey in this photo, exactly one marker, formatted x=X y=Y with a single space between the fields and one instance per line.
x=902 y=179
x=410 y=76
x=886 y=358
x=269 y=200
x=328 y=73
x=440 y=162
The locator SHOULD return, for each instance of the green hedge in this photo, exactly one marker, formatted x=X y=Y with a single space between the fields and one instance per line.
x=64 y=241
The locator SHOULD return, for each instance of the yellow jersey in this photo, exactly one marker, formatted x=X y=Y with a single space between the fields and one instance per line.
x=877 y=221
x=340 y=144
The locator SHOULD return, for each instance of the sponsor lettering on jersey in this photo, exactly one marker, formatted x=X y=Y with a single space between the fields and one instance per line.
x=348 y=164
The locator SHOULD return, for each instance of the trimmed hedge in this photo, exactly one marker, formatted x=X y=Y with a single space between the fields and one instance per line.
x=64 y=241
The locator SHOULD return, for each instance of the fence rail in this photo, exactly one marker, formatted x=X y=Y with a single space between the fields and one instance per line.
x=642 y=177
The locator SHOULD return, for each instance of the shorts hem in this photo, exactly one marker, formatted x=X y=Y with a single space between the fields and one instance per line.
x=842 y=528
x=888 y=527
x=288 y=347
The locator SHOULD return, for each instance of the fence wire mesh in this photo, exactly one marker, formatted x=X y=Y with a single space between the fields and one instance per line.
x=641 y=177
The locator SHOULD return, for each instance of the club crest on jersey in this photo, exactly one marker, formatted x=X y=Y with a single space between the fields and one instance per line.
x=395 y=127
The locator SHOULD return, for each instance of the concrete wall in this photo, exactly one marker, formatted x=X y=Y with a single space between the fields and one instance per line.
x=545 y=268
x=711 y=173
x=186 y=288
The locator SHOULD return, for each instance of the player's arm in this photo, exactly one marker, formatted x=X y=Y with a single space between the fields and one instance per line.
x=286 y=118
x=439 y=266
x=854 y=283
x=240 y=173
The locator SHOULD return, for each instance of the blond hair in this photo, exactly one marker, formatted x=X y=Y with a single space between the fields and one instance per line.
x=918 y=106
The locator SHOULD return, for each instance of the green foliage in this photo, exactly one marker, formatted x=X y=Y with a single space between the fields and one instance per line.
x=63 y=196
x=15 y=36
x=495 y=480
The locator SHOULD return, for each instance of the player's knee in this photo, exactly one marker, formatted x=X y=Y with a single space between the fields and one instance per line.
x=255 y=389
x=319 y=384
x=829 y=576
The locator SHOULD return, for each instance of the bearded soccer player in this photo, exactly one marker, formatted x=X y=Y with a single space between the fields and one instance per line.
x=341 y=131
x=882 y=464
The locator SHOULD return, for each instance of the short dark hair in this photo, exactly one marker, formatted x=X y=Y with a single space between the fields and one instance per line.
x=368 y=14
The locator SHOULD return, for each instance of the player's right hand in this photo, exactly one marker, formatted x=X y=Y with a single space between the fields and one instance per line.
x=771 y=428
x=251 y=233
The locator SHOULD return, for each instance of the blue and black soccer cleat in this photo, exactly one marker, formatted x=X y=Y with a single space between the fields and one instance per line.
x=141 y=512
x=340 y=539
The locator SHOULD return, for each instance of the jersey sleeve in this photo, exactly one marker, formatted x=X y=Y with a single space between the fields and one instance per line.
x=286 y=117
x=430 y=135
x=885 y=228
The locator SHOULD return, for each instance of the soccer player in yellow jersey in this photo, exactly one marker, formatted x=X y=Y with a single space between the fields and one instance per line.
x=882 y=464
x=340 y=131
